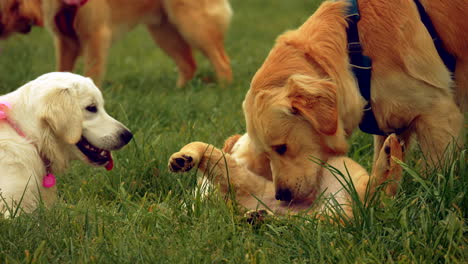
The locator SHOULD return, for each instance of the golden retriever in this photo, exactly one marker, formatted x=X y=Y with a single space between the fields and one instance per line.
x=304 y=100
x=45 y=124
x=88 y=28
x=239 y=167
x=18 y=16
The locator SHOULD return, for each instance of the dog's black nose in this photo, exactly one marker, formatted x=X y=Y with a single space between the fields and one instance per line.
x=126 y=136
x=283 y=195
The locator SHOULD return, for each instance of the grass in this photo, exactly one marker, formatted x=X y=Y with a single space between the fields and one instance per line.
x=139 y=212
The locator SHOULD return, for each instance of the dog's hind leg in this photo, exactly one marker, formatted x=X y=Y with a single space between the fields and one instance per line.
x=171 y=42
x=204 y=26
x=378 y=143
x=404 y=138
x=385 y=169
x=212 y=47
x=67 y=51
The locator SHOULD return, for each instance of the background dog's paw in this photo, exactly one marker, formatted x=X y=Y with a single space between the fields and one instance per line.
x=181 y=162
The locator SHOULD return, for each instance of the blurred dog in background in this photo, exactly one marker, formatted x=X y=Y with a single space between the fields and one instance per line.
x=82 y=27
x=19 y=16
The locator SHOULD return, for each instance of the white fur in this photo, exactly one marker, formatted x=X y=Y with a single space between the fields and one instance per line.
x=51 y=111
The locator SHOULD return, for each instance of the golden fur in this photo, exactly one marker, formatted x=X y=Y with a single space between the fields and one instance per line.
x=240 y=168
x=18 y=16
x=305 y=96
x=177 y=26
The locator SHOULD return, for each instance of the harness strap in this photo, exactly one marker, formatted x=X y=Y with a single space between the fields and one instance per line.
x=448 y=59
x=362 y=69
x=362 y=65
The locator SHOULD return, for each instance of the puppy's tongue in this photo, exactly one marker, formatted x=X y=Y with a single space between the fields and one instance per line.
x=110 y=163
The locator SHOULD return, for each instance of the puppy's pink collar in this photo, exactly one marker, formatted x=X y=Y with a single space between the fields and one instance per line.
x=4 y=107
x=49 y=179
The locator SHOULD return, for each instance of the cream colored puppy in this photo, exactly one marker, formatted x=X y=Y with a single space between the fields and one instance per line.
x=45 y=124
x=248 y=174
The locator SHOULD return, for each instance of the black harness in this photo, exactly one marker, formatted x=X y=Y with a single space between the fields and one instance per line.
x=362 y=65
x=448 y=59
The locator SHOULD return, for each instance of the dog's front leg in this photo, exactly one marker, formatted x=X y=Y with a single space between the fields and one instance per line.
x=67 y=51
x=96 y=47
x=218 y=167
x=461 y=88
x=439 y=132
x=212 y=162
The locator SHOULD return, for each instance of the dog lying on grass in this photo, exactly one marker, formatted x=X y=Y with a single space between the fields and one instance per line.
x=238 y=167
x=45 y=124
x=87 y=28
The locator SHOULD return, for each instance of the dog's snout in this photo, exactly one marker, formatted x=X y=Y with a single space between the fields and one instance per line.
x=126 y=136
x=283 y=195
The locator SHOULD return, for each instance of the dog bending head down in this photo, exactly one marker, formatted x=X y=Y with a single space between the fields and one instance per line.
x=304 y=100
x=19 y=16
x=292 y=124
x=62 y=118
x=292 y=114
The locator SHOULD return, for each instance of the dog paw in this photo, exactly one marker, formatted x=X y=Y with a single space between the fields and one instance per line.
x=393 y=149
x=387 y=167
x=255 y=217
x=181 y=162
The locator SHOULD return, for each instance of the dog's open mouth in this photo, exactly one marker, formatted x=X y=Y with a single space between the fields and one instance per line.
x=95 y=155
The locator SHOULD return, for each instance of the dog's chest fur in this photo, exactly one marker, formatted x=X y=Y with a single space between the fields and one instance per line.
x=22 y=171
x=407 y=70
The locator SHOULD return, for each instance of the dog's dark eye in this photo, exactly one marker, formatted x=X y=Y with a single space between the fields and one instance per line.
x=280 y=149
x=91 y=108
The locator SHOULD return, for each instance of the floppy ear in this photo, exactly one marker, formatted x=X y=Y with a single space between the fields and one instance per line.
x=315 y=100
x=62 y=114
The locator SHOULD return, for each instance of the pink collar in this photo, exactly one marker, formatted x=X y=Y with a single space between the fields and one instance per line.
x=49 y=179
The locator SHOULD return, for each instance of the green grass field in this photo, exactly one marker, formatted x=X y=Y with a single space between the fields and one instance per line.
x=141 y=213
